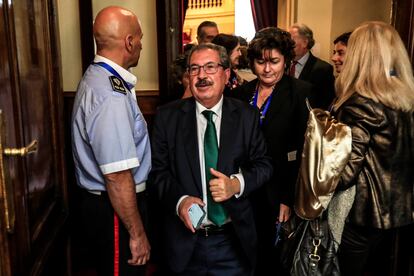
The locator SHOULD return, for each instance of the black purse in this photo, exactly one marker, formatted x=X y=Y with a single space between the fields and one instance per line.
x=290 y=238
x=315 y=253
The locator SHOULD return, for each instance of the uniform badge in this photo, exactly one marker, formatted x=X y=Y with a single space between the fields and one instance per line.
x=117 y=84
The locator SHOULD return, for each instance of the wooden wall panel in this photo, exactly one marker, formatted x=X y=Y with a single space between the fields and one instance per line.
x=402 y=19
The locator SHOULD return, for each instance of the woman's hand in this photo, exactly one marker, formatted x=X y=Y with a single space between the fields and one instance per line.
x=284 y=213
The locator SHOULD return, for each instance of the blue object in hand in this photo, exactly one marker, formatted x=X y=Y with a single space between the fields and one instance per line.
x=196 y=215
x=278 y=233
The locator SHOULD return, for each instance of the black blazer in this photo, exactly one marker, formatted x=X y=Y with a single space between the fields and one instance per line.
x=176 y=171
x=320 y=74
x=283 y=127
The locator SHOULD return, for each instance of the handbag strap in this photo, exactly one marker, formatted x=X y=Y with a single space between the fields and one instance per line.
x=314 y=257
x=305 y=227
x=308 y=104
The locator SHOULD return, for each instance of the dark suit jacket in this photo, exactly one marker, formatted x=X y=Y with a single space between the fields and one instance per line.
x=283 y=127
x=176 y=171
x=320 y=74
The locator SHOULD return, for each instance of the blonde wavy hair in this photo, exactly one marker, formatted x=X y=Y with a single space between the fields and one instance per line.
x=377 y=67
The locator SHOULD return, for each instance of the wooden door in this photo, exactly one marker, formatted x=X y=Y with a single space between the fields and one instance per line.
x=402 y=18
x=33 y=239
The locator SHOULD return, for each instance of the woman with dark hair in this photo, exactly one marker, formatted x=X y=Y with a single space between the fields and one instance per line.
x=339 y=51
x=232 y=45
x=180 y=76
x=281 y=101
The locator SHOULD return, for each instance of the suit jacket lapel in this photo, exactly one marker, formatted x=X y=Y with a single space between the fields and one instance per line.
x=307 y=69
x=189 y=130
x=228 y=131
x=279 y=98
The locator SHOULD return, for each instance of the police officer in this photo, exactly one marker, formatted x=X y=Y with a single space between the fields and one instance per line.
x=111 y=147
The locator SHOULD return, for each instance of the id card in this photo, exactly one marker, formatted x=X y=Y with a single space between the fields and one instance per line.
x=196 y=215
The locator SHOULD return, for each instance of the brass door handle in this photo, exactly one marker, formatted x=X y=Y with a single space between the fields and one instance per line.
x=31 y=148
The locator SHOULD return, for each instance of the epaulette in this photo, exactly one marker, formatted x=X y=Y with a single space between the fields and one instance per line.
x=117 y=85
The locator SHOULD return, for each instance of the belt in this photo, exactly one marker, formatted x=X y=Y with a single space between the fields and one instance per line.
x=138 y=188
x=210 y=230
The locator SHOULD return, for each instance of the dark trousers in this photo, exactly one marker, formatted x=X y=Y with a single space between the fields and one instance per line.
x=357 y=245
x=107 y=235
x=268 y=257
x=217 y=255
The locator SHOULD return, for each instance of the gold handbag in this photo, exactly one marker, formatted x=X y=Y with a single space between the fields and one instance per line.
x=326 y=151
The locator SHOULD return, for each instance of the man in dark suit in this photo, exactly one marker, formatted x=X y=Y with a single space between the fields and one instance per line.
x=180 y=176
x=309 y=68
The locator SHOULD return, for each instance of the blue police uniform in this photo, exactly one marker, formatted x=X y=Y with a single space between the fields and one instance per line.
x=109 y=134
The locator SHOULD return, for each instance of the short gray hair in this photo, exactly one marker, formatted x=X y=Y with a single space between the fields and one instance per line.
x=305 y=32
x=224 y=58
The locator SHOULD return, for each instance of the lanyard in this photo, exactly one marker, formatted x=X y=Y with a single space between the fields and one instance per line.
x=266 y=107
x=233 y=81
x=115 y=73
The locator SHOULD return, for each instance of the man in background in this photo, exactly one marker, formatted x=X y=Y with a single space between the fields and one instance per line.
x=307 y=67
x=111 y=148
x=206 y=31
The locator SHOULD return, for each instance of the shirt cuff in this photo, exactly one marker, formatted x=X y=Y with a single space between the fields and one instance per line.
x=119 y=166
x=178 y=203
x=240 y=177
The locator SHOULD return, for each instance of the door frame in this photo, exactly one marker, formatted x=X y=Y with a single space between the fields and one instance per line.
x=402 y=18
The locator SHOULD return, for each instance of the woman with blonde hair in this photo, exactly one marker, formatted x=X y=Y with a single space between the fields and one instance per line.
x=376 y=99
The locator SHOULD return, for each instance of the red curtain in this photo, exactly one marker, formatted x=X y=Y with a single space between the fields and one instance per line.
x=264 y=13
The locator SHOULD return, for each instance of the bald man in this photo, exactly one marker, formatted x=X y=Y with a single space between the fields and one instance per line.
x=111 y=148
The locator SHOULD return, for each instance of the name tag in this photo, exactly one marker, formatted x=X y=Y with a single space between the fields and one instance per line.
x=292 y=155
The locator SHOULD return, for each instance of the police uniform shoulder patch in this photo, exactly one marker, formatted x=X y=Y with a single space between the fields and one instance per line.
x=117 y=84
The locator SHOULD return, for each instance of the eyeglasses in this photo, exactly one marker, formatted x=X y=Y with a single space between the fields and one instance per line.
x=209 y=68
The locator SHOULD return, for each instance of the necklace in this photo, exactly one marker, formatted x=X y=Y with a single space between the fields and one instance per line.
x=266 y=102
x=263 y=97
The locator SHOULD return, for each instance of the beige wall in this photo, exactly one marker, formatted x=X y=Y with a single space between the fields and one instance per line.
x=70 y=43
x=358 y=12
x=330 y=18
x=317 y=15
x=146 y=71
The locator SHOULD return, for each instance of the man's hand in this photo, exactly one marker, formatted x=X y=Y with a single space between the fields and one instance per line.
x=222 y=187
x=185 y=205
x=140 y=250
x=121 y=191
x=284 y=212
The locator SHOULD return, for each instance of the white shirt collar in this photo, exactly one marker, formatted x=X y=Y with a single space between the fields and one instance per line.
x=125 y=74
x=216 y=109
x=303 y=59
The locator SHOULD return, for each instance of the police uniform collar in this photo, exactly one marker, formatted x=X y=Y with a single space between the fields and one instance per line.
x=125 y=74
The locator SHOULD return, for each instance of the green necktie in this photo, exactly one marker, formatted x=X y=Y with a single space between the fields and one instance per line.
x=215 y=211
